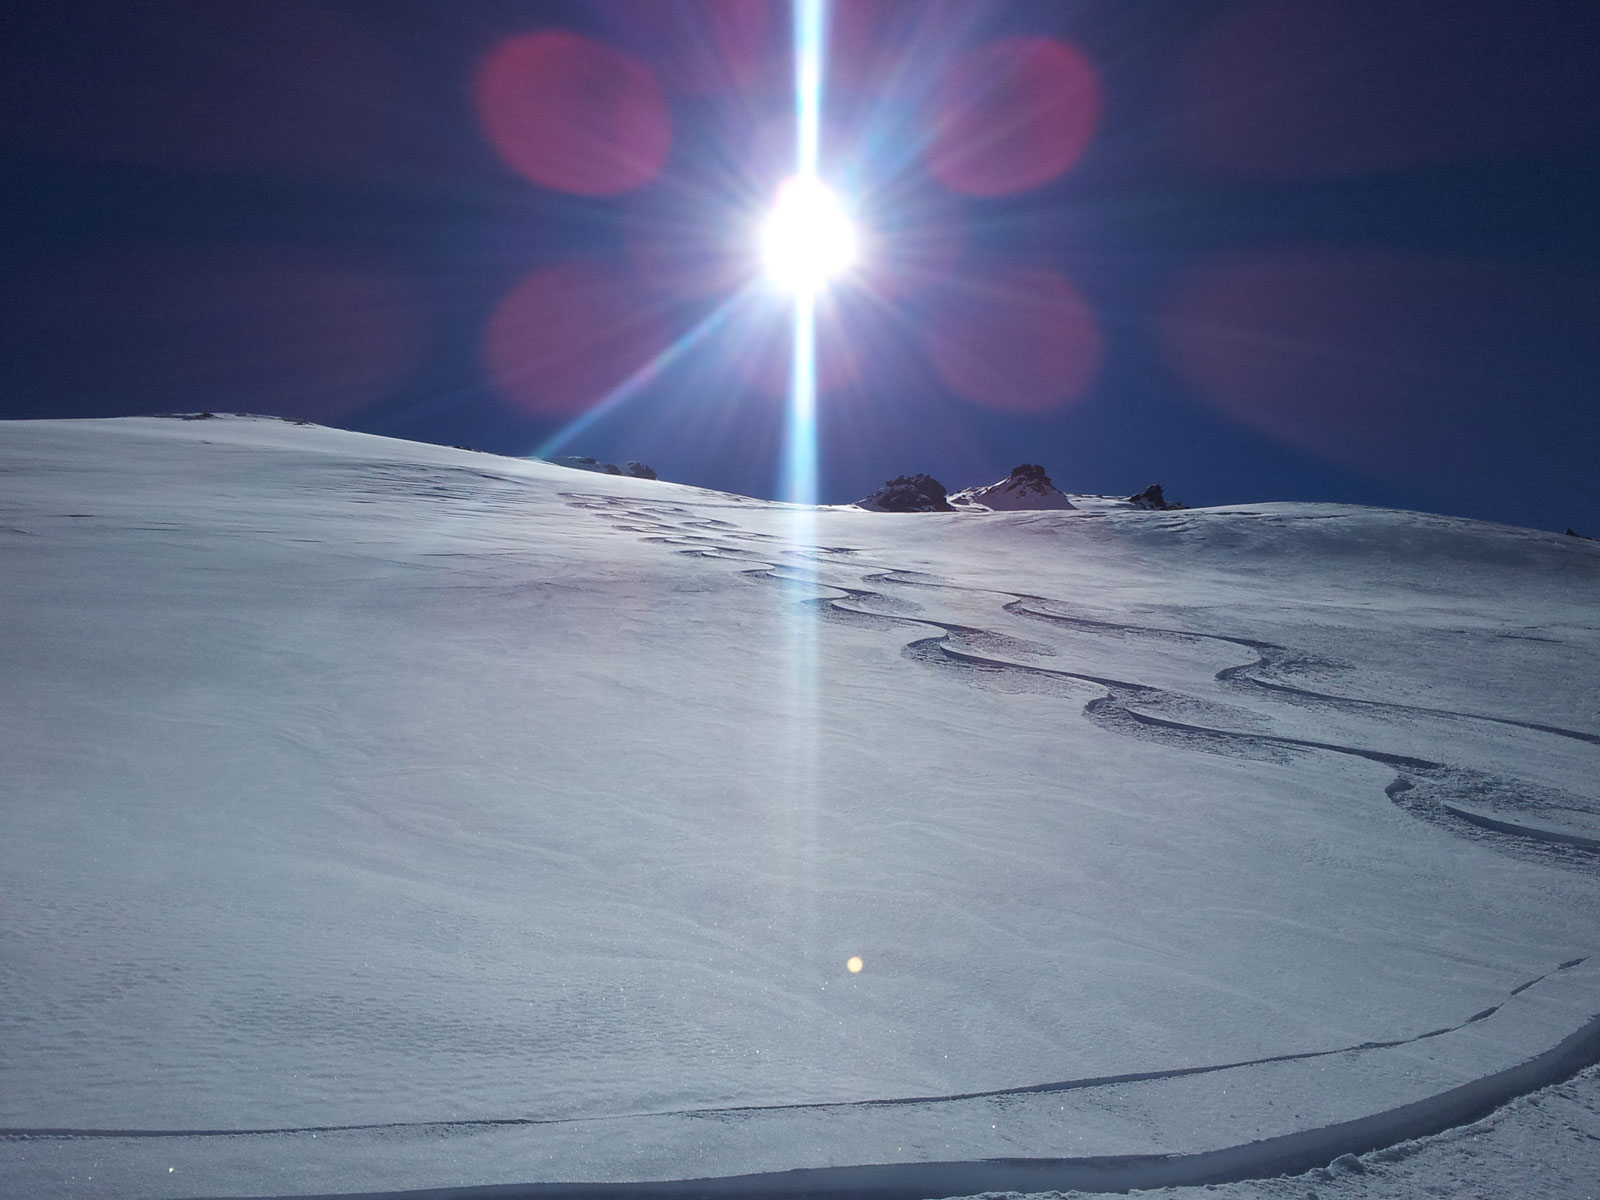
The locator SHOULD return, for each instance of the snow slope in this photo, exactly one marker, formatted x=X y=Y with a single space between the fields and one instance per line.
x=384 y=816
x=1027 y=488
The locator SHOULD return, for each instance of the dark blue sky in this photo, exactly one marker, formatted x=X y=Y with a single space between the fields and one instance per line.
x=1347 y=250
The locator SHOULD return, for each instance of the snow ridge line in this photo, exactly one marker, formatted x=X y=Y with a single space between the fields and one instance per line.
x=1066 y=1085
x=1286 y=1154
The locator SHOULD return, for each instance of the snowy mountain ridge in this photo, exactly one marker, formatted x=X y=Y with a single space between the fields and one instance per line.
x=1027 y=487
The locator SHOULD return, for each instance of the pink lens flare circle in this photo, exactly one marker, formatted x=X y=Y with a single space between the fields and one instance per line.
x=573 y=114
x=570 y=335
x=1376 y=360
x=1016 y=339
x=1012 y=115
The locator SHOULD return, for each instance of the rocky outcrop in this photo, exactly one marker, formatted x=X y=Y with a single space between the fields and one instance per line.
x=579 y=463
x=1152 y=498
x=908 y=493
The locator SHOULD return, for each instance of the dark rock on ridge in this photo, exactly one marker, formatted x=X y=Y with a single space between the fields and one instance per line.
x=908 y=493
x=583 y=463
x=1152 y=498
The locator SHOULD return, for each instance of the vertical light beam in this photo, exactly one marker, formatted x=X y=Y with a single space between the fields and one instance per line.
x=800 y=458
x=800 y=484
x=810 y=30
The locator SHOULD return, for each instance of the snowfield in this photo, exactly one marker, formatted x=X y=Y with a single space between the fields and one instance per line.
x=382 y=816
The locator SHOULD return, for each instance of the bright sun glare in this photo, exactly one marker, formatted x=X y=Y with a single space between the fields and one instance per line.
x=808 y=239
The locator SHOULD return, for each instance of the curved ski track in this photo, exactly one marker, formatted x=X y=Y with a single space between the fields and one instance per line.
x=1423 y=790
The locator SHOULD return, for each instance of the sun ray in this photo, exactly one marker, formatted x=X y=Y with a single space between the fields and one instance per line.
x=634 y=383
x=800 y=457
x=799 y=484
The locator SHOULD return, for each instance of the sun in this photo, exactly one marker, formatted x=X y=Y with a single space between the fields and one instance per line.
x=808 y=240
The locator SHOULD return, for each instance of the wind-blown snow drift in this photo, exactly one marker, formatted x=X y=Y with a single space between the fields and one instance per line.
x=503 y=822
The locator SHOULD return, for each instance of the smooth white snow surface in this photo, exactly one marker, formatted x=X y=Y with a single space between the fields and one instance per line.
x=525 y=819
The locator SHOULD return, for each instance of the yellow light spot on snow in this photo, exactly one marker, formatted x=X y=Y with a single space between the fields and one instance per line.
x=853 y=964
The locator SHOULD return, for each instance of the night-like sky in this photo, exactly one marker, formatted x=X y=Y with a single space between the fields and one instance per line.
x=1252 y=250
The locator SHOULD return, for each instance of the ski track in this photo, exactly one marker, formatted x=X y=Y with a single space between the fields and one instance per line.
x=1135 y=709
x=974 y=648
x=1128 y=707
x=1286 y=1154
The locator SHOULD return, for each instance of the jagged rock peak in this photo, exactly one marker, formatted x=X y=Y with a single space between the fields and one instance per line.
x=908 y=493
x=1152 y=498
x=1030 y=472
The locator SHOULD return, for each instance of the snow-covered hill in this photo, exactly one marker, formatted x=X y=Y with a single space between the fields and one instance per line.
x=1027 y=488
x=380 y=815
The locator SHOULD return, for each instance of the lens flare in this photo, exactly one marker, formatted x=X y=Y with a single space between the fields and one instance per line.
x=1013 y=115
x=568 y=335
x=1015 y=338
x=808 y=240
x=574 y=114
